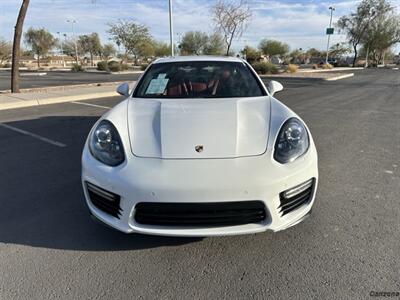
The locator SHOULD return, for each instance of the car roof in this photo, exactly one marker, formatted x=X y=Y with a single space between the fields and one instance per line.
x=197 y=58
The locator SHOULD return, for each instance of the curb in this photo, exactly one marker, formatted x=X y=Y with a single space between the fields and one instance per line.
x=339 y=77
x=273 y=77
x=338 y=69
x=33 y=74
x=63 y=87
x=60 y=99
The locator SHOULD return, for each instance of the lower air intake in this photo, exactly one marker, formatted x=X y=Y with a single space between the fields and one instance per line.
x=200 y=214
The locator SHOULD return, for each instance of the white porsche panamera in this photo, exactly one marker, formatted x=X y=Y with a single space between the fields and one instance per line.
x=200 y=147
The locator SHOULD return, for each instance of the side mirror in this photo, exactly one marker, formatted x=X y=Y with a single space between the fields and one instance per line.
x=123 y=89
x=274 y=87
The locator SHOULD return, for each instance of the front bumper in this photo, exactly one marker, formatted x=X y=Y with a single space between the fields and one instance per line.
x=203 y=180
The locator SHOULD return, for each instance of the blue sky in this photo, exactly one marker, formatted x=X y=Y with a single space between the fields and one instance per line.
x=299 y=23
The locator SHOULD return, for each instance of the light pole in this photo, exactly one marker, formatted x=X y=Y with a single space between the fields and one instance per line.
x=329 y=34
x=73 y=35
x=61 y=45
x=171 y=31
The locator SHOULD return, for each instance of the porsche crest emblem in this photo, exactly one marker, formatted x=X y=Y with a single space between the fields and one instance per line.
x=199 y=148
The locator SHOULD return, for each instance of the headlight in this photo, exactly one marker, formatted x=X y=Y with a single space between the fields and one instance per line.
x=292 y=141
x=105 y=144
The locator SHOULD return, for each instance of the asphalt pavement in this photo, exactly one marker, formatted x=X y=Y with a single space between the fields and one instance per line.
x=55 y=78
x=348 y=248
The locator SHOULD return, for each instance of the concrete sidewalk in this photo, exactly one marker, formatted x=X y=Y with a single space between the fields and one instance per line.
x=56 y=95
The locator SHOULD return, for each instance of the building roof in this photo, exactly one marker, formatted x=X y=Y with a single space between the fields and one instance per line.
x=197 y=58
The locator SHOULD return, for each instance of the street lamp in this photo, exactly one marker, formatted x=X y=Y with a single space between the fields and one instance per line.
x=329 y=32
x=73 y=35
x=61 y=45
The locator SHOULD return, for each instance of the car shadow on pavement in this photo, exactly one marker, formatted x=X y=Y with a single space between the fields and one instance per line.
x=41 y=199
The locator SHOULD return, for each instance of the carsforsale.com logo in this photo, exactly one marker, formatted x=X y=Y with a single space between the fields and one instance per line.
x=384 y=294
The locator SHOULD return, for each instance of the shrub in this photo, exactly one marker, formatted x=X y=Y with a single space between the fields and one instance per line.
x=343 y=64
x=327 y=66
x=124 y=67
x=76 y=68
x=143 y=67
x=360 y=63
x=6 y=65
x=114 y=66
x=102 y=66
x=265 y=68
x=315 y=66
x=292 y=68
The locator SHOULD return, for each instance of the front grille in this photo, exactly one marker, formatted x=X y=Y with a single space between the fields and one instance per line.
x=104 y=200
x=294 y=202
x=200 y=214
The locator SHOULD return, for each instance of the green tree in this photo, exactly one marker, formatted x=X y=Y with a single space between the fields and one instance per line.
x=145 y=49
x=41 y=41
x=252 y=54
x=161 y=49
x=17 y=45
x=339 y=50
x=129 y=35
x=312 y=52
x=90 y=43
x=273 y=47
x=298 y=56
x=356 y=24
x=108 y=50
x=194 y=42
x=5 y=50
x=214 y=45
x=199 y=43
x=383 y=32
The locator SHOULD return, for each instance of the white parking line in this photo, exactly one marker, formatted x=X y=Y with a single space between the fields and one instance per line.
x=90 y=104
x=36 y=136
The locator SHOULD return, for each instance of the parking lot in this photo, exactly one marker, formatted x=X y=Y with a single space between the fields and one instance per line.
x=50 y=248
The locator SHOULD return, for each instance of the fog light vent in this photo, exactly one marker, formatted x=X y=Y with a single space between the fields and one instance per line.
x=296 y=197
x=104 y=200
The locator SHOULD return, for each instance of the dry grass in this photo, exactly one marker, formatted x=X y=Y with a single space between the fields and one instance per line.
x=327 y=66
x=292 y=68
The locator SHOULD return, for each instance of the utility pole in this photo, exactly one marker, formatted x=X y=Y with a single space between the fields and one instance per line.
x=329 y=32
x=61 y=45
x=171 y=31
x=73 y=36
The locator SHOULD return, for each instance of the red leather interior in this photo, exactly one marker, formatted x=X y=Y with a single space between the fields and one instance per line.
x=184 y=89
x=198 y=87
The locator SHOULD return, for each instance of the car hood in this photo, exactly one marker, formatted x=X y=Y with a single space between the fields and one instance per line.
x=198 y=128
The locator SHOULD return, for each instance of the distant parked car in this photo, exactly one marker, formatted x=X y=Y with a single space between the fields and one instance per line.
x=331 y=61
x=200 y=147
x=276 y=60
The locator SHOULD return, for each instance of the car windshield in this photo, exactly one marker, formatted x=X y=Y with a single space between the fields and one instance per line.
x=199 y=79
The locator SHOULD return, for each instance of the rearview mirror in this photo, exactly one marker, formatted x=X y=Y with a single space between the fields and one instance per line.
x=123 y=89
x=274 y=87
